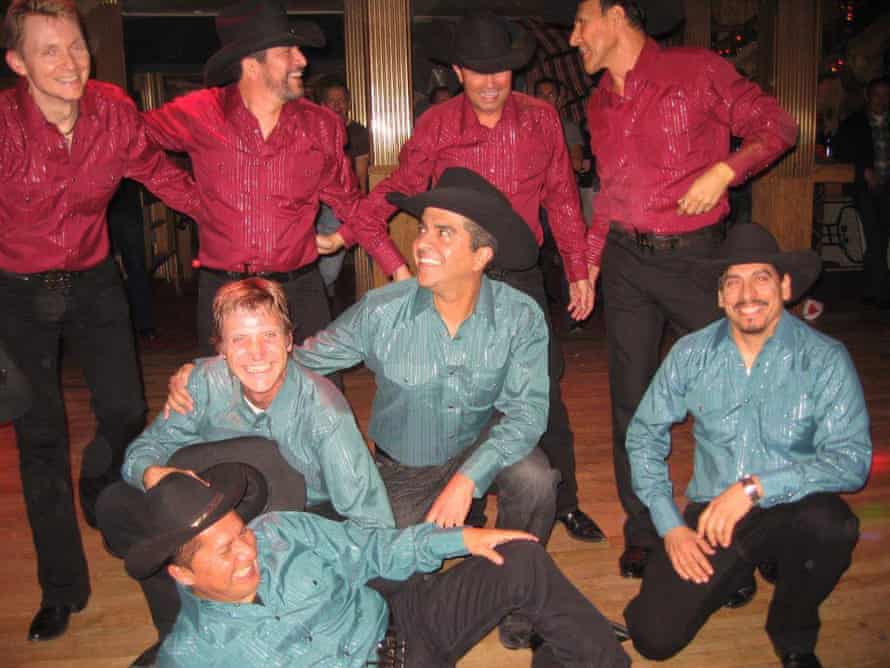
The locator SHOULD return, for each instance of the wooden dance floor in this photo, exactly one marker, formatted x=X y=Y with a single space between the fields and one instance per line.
x=115 y=627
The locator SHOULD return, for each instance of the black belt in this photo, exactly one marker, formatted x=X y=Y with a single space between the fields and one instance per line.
x=277 y=276
x=652 y=242
x=392 y=650
x=53 y=279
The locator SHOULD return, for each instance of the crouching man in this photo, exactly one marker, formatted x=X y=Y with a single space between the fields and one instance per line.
x=290 y=588
x=780 y=429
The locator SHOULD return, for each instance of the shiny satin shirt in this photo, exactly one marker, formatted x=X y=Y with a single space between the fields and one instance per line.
x=798 y=421
x=313 y=606
x=435 y=393
x=260 y=196
x=308 y=419
x=53 y=200
x=673 y=122
x=524 y=156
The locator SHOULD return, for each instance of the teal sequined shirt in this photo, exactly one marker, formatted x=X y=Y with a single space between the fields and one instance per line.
x=798 y=420
x=314 y=608
x=309 y=420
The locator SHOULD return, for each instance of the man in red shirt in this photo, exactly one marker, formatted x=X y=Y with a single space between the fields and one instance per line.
x=660 y=122
x=67 y=142
x=263 y=156
x=516 y=142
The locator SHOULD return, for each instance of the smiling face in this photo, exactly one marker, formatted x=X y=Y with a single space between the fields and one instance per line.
x=54 y=58
x=223 y=566
x=446 y=261
x=280 y=72
x=256 y=345
x=753 y=296
x=487 y=93
x=595 y=34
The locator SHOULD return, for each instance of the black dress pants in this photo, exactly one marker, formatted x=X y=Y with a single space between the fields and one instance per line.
x=558 y=442
x=90 y=314
x=643 y=291
x=444 y=615
x=811 y=542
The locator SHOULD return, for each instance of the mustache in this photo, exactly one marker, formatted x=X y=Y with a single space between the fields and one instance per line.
x=750 y=302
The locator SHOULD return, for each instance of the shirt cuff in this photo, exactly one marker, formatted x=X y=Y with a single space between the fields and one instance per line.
x=348 y=237
x=595 y=247
x=576 y=270
x=665 y=515
x=387 y=256
x=134 y=472
x=777 y=486
x=447 y=543
x=744 y=167
x=481 y=468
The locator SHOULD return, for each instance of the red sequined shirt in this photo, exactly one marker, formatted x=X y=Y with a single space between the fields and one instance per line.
x=260 y=197
x=672 y=123
x=53 y=200
x=524 y=155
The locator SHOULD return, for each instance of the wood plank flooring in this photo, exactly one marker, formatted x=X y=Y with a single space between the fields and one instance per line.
x=115 y=627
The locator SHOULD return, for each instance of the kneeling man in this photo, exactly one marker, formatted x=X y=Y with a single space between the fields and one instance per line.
x=290 y=588
x=780 y=429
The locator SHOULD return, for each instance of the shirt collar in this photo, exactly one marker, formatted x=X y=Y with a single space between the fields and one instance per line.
x=34 y=119
x=783 y=336
x=423 y=301
x=642 y=70
x=469 y=122
x=237 y=113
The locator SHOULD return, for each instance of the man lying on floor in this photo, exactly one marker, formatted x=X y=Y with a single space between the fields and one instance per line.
x=289 y=588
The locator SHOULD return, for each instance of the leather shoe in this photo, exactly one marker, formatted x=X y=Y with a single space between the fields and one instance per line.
x=800 y=660
x=633 y=561
x=769 y=571
x=50 y=622
x=515 y=632
x=148 y=658
x=743 y=595
x=581 y=527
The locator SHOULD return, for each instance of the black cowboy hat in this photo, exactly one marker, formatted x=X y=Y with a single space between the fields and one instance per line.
x=464 y=192
x=753 y=244
x=180 y=507
x=15 y=390
x=483 y=43
x=285 y=486
x=254 y=25
x=660 y=17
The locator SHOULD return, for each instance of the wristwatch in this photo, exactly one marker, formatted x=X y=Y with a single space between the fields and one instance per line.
x=750 y=488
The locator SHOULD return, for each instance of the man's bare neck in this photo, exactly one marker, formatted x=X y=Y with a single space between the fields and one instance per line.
x=625 y=58
x=455 y=306
x=265 y=108
x=61 y=113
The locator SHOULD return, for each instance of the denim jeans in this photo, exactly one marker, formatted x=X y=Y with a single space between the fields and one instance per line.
x=329 y=265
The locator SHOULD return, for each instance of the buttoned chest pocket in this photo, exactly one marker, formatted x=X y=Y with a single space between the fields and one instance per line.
x=668 y=125
x=716 y=413
x=299 y=169
x=787 y=421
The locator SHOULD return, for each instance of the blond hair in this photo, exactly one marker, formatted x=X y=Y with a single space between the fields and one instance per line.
x=250 y=294
x=19 y=10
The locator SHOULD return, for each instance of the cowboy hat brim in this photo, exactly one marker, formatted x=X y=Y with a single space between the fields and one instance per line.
x=286 y=487
x=493 y=215
x=804 y=267
x=218 y=70
x=241 y=488
x=519 y=55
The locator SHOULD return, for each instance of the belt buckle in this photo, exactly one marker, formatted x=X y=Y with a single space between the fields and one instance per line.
x=57 y=280
x=391 y=652
x=644 y=241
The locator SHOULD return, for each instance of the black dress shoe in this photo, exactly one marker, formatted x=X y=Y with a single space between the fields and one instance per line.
x=633 y=561
x=581 y=527
x=769 y=571
x=148 y=658
x=800 y=660
x=743 y=595
x=50 y=622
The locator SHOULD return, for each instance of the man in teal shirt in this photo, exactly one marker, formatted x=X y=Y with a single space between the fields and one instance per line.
x=253 y=389
x=780 y=430
x=289 y=589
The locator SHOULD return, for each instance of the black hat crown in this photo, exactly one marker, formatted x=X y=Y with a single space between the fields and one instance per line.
x=483 y=43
